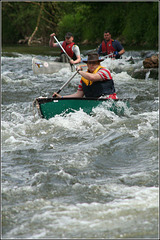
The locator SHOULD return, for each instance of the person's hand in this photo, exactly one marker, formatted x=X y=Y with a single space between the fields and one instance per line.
x=71 y=61
x=56 y=95
x=79 y=68
x=52 y=35
x=116 y=55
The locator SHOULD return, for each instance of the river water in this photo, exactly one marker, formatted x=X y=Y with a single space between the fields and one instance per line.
x=78 y=176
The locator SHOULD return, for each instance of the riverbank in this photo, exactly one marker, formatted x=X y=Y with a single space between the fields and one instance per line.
x=46 y=50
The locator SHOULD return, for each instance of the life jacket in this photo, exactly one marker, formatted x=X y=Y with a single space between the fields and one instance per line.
x=68 y=49
x=107 y=47
x=97 y=89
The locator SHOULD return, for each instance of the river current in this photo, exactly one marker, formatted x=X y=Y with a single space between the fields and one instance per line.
x=79 y=175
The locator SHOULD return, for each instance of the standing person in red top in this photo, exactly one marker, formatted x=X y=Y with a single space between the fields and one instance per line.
x=69 y=46
x=97 y=82
x=110 y=47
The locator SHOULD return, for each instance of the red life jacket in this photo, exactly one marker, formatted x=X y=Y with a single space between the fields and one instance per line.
x=68 y=48
x=107 y=47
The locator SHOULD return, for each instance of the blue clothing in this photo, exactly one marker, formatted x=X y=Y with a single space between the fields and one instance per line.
x=116 y=45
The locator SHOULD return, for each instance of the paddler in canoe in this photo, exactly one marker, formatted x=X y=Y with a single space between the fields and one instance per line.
x=69 y=47
x=109 y=47
x=96 y=82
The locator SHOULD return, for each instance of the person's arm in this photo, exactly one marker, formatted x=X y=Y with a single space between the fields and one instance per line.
x=78 y=60
x=51 y=41
x=76 y=51
x=120 y=50
x=118 y=54
x=78 y=94
x=94 y=77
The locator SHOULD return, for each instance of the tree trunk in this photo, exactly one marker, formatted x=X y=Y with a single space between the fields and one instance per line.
x=36 y=28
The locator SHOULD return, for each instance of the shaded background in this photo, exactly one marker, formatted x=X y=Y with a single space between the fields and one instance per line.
x=133 y=23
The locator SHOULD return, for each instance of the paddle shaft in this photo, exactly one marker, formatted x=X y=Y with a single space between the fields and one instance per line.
x=107 y=56
x=67 y=82
x=111 y=54
x=63 y=50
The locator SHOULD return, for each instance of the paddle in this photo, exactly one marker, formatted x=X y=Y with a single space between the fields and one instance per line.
x=64 y=50
x=67 y=82
x=107 y=56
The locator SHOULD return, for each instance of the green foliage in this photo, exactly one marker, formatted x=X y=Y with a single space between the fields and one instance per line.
x=151 y=35
x=15 y=24
x=19 y=19
x=68 y=20
x=135 y=23
x=141 y=24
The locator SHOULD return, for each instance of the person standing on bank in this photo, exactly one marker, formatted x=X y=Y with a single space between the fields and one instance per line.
x=69 y=46
x=110 y=47
x=97 y=82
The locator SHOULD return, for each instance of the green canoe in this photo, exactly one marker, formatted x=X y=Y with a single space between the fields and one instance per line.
x=49 y=107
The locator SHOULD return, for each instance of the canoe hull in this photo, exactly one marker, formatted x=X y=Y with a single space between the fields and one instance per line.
x=47 y=67
x=49 y=107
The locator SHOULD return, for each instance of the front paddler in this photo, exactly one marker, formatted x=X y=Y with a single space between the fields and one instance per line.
x=96 y=82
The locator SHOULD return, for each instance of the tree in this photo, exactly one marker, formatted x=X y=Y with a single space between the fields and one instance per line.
x=136 y=23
